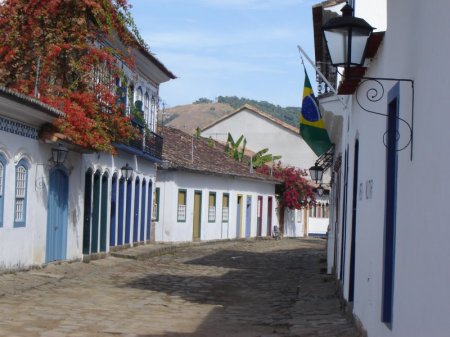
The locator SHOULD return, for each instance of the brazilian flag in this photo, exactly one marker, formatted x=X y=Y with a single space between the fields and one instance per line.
x=312 y=127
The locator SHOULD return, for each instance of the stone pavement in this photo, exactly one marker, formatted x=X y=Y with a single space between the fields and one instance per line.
x=234 y=288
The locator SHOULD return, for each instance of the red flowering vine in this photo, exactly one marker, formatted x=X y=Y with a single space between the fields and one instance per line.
x=295 y=190
x=61 y=46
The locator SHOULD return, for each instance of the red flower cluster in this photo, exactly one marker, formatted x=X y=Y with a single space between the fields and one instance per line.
x=58 y=44
x=295 y=189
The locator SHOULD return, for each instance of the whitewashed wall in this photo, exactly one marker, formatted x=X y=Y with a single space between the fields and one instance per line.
x=25 y=246
x=262 y=133
x=168 y=229
x=413 y=49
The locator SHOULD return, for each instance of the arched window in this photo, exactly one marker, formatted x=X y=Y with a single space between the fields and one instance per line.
x=20 y=204
x=2 y=186
x=139 y=94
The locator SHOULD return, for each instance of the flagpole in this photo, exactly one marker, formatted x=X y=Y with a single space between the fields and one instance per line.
x=320 y=74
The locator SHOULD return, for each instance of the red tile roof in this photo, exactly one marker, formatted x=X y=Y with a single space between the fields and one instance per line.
x=185 y=152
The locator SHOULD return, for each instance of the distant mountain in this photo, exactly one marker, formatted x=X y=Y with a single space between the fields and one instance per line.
x=290 y=115
x=204 y=112
x=189 y=117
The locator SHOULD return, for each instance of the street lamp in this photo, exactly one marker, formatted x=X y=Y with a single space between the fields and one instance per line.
x=59 y=154
x=316 y=173
x=346 y=38
x=126 y=171
x=320 y=190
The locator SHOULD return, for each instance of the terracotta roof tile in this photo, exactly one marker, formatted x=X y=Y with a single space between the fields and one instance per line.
x=185 y=152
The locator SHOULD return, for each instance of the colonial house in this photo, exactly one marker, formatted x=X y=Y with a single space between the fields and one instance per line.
x=39 y=187
x=89 y=202
x=388 y=243
x=118 y=206
x=262 y=130
x=202 y=194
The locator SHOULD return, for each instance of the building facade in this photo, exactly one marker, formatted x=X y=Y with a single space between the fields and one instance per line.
x=387 y=248
x=205 y=195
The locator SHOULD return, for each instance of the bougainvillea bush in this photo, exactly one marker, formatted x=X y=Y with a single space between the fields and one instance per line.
x=56 y=50
x=295 y=190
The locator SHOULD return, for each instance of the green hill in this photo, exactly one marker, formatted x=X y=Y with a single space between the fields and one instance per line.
x=289 y=115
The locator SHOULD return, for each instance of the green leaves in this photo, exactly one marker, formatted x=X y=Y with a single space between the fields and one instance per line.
x=262 y=157
x=234 y=148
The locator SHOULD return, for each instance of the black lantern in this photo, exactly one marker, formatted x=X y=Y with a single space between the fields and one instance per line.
x=316 y=173
x=59 y=154
x=346 y=38
x=126 y=171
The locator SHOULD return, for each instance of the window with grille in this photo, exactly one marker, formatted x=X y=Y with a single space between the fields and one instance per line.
x=212 y=207
x=20 y=195
x=225 y=207
x=181 y=211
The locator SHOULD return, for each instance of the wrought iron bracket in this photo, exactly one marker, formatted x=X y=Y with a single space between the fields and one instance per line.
x=375 y=94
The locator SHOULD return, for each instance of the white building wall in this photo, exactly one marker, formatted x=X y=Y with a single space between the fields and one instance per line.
x=262 y=133
x=25 y=246
x=168 y=229
x=421 y=298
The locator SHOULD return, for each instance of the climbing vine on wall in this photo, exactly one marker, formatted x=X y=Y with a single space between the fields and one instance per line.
x=68 y=54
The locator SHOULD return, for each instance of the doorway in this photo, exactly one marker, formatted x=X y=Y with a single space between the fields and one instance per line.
x=197 y=215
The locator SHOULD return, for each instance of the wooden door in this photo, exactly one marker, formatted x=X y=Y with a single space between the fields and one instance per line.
x=197 y=215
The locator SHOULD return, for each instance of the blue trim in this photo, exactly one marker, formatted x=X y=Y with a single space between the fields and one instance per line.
x=128 y=212
x=137 y=190
x=344 y=219
x=2 y=192
x=56 y=247
x=139 y=153
x=113 y=217
x=390 y=206
x=104 y=213
x=144 y=194
x=18 y=128
x=95 y=225
x=87 y=211
x=351 y=286
x=122 y=188
x=24 y=164
x=150 y=208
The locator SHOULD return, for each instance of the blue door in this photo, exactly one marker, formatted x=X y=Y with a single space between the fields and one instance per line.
x=144 y=193
x=57 y=216
x=128 y=212
x=136 y=218
x=149 y=209
x=113 y=222
x=121 y=215
x=248 y=218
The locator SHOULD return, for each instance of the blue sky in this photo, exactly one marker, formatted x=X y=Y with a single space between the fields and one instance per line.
x=245 y=48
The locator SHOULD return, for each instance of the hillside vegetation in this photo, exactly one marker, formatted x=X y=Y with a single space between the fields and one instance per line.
x=205 y=111
x=289 y=115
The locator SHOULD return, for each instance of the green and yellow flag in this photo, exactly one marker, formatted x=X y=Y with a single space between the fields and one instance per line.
x=312 y=127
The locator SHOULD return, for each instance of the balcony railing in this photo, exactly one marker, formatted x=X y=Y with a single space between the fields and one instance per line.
x=150 y=143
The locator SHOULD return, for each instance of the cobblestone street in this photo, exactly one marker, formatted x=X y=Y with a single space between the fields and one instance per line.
x=243 y=288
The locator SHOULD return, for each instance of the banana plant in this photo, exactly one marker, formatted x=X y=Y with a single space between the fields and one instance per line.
x=261 y=158
x=234 y=148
